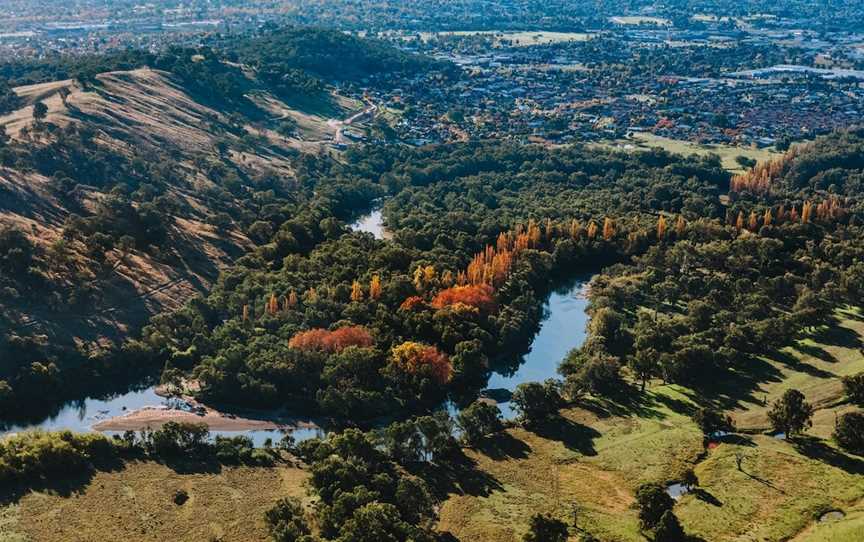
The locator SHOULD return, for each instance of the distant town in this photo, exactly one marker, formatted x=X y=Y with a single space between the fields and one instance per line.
x=707 y=78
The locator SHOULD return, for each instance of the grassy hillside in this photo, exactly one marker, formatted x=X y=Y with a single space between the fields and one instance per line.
x=592 y=462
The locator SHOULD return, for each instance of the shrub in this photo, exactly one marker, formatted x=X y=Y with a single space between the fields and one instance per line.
x=34 y=455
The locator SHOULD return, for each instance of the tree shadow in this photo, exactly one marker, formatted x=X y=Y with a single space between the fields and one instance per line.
x=503 y=445
x=734 y=438
x=459 y=475
x=797 y=364
x=706 y=497
x=814 y=352
x=815 y=448
x=837 y=335
x=182 y=465
x=574 y=436
x=740 y=385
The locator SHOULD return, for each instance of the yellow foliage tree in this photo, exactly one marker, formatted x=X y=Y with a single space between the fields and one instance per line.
x=661 y=227
x=608 y=228
x=356 y=292
x=375 y=287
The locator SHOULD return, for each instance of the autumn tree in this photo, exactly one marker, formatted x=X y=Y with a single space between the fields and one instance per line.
x=356 y=292
x=480 y=296
x=375 y=288
x=415 y=358
x=608 y=229
x=661 y=227
x=331 y=341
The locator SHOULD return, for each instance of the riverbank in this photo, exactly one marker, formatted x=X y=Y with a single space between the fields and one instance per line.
x=186 y=409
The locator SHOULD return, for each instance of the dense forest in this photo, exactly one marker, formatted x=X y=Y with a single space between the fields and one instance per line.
x=127 y=202
x=321 y=314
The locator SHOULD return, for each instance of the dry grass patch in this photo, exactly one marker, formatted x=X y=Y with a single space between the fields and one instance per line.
x=136 y=504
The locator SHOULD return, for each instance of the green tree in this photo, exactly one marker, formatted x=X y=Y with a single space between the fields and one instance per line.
x=537 y=402
x=791 y=414
x=653 y=502
x=40 y=111
x=711 y=421
x=478 y=420
x=854 y=387
x=286 y=521
x=545 y=528
x=849 y=432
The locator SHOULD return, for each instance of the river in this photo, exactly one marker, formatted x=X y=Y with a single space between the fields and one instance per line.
x=372 y=222
x=562 y=329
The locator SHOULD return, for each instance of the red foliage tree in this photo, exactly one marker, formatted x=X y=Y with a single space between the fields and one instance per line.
x=331 y=341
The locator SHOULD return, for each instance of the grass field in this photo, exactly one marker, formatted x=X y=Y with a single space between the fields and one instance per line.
x=590 y=462
x=593 y=462
x=135 y=504
x=727 y=153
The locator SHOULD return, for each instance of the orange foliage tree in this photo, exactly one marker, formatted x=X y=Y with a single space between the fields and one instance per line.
x=480 y=296
x=419 y=359
x=324 y=340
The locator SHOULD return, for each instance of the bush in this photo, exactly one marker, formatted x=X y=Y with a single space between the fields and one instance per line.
x=286 y=521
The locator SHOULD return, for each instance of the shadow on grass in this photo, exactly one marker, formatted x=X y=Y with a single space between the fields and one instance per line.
x=736 y=439
x=815 y=352
x=503 y=446
x=636 y=403
x=796 y=364
x=815 y=448
x=739 y=386
x=458 y=475
x=837 y=335
x=706 y=497
x=575 y=436
x=64 y=485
